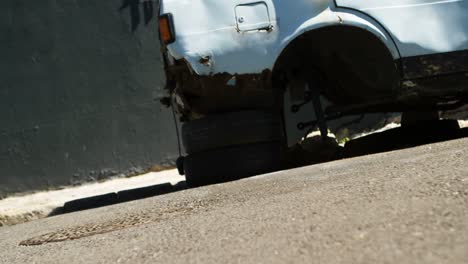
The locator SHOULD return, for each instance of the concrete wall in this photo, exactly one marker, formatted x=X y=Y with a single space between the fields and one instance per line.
x=80 y=83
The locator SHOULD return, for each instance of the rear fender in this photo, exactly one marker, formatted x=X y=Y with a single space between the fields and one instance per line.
x=209 y=39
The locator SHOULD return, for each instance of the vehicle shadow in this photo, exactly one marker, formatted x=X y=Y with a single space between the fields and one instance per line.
x=313 y=151
x=404 y=137
x=117 y=197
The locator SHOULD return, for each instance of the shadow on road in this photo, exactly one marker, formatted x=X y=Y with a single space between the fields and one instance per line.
x=405 y=137
x=316 y=150
x=118 y=197
x=312 y=151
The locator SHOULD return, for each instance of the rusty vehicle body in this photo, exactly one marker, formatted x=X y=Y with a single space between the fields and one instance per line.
x=310 y=61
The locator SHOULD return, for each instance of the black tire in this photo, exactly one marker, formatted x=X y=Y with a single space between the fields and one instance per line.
x=227 y=164
x=230 y=129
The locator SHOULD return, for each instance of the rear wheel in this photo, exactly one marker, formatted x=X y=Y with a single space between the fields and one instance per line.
x=231 y=129
x=232 y=163
x=230 y=146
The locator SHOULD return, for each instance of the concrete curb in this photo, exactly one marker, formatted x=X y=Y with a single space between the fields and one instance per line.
x=21 y=209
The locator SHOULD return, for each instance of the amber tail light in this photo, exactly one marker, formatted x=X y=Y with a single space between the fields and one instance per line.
x=166 y=29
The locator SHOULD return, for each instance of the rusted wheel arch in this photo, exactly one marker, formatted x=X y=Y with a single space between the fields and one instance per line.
x=356 y=64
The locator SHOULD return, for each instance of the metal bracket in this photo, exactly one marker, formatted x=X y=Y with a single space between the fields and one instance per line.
x=308 y=105
x=319 y=111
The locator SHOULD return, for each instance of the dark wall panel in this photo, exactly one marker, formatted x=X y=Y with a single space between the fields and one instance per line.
x=80 y=83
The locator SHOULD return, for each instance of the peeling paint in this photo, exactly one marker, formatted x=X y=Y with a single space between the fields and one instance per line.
x=436 y=64
x=235 y=51
x=407 y=27
x=425 y=39
x=340 y=20
x=205 y=60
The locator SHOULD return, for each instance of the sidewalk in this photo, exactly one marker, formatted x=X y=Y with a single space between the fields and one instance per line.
x=16 y=210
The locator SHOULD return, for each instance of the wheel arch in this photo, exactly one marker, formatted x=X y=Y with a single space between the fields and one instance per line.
x=346 y=21
x=343 y=17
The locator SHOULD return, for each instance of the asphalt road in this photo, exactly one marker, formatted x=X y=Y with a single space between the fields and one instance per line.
x=407 y=206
